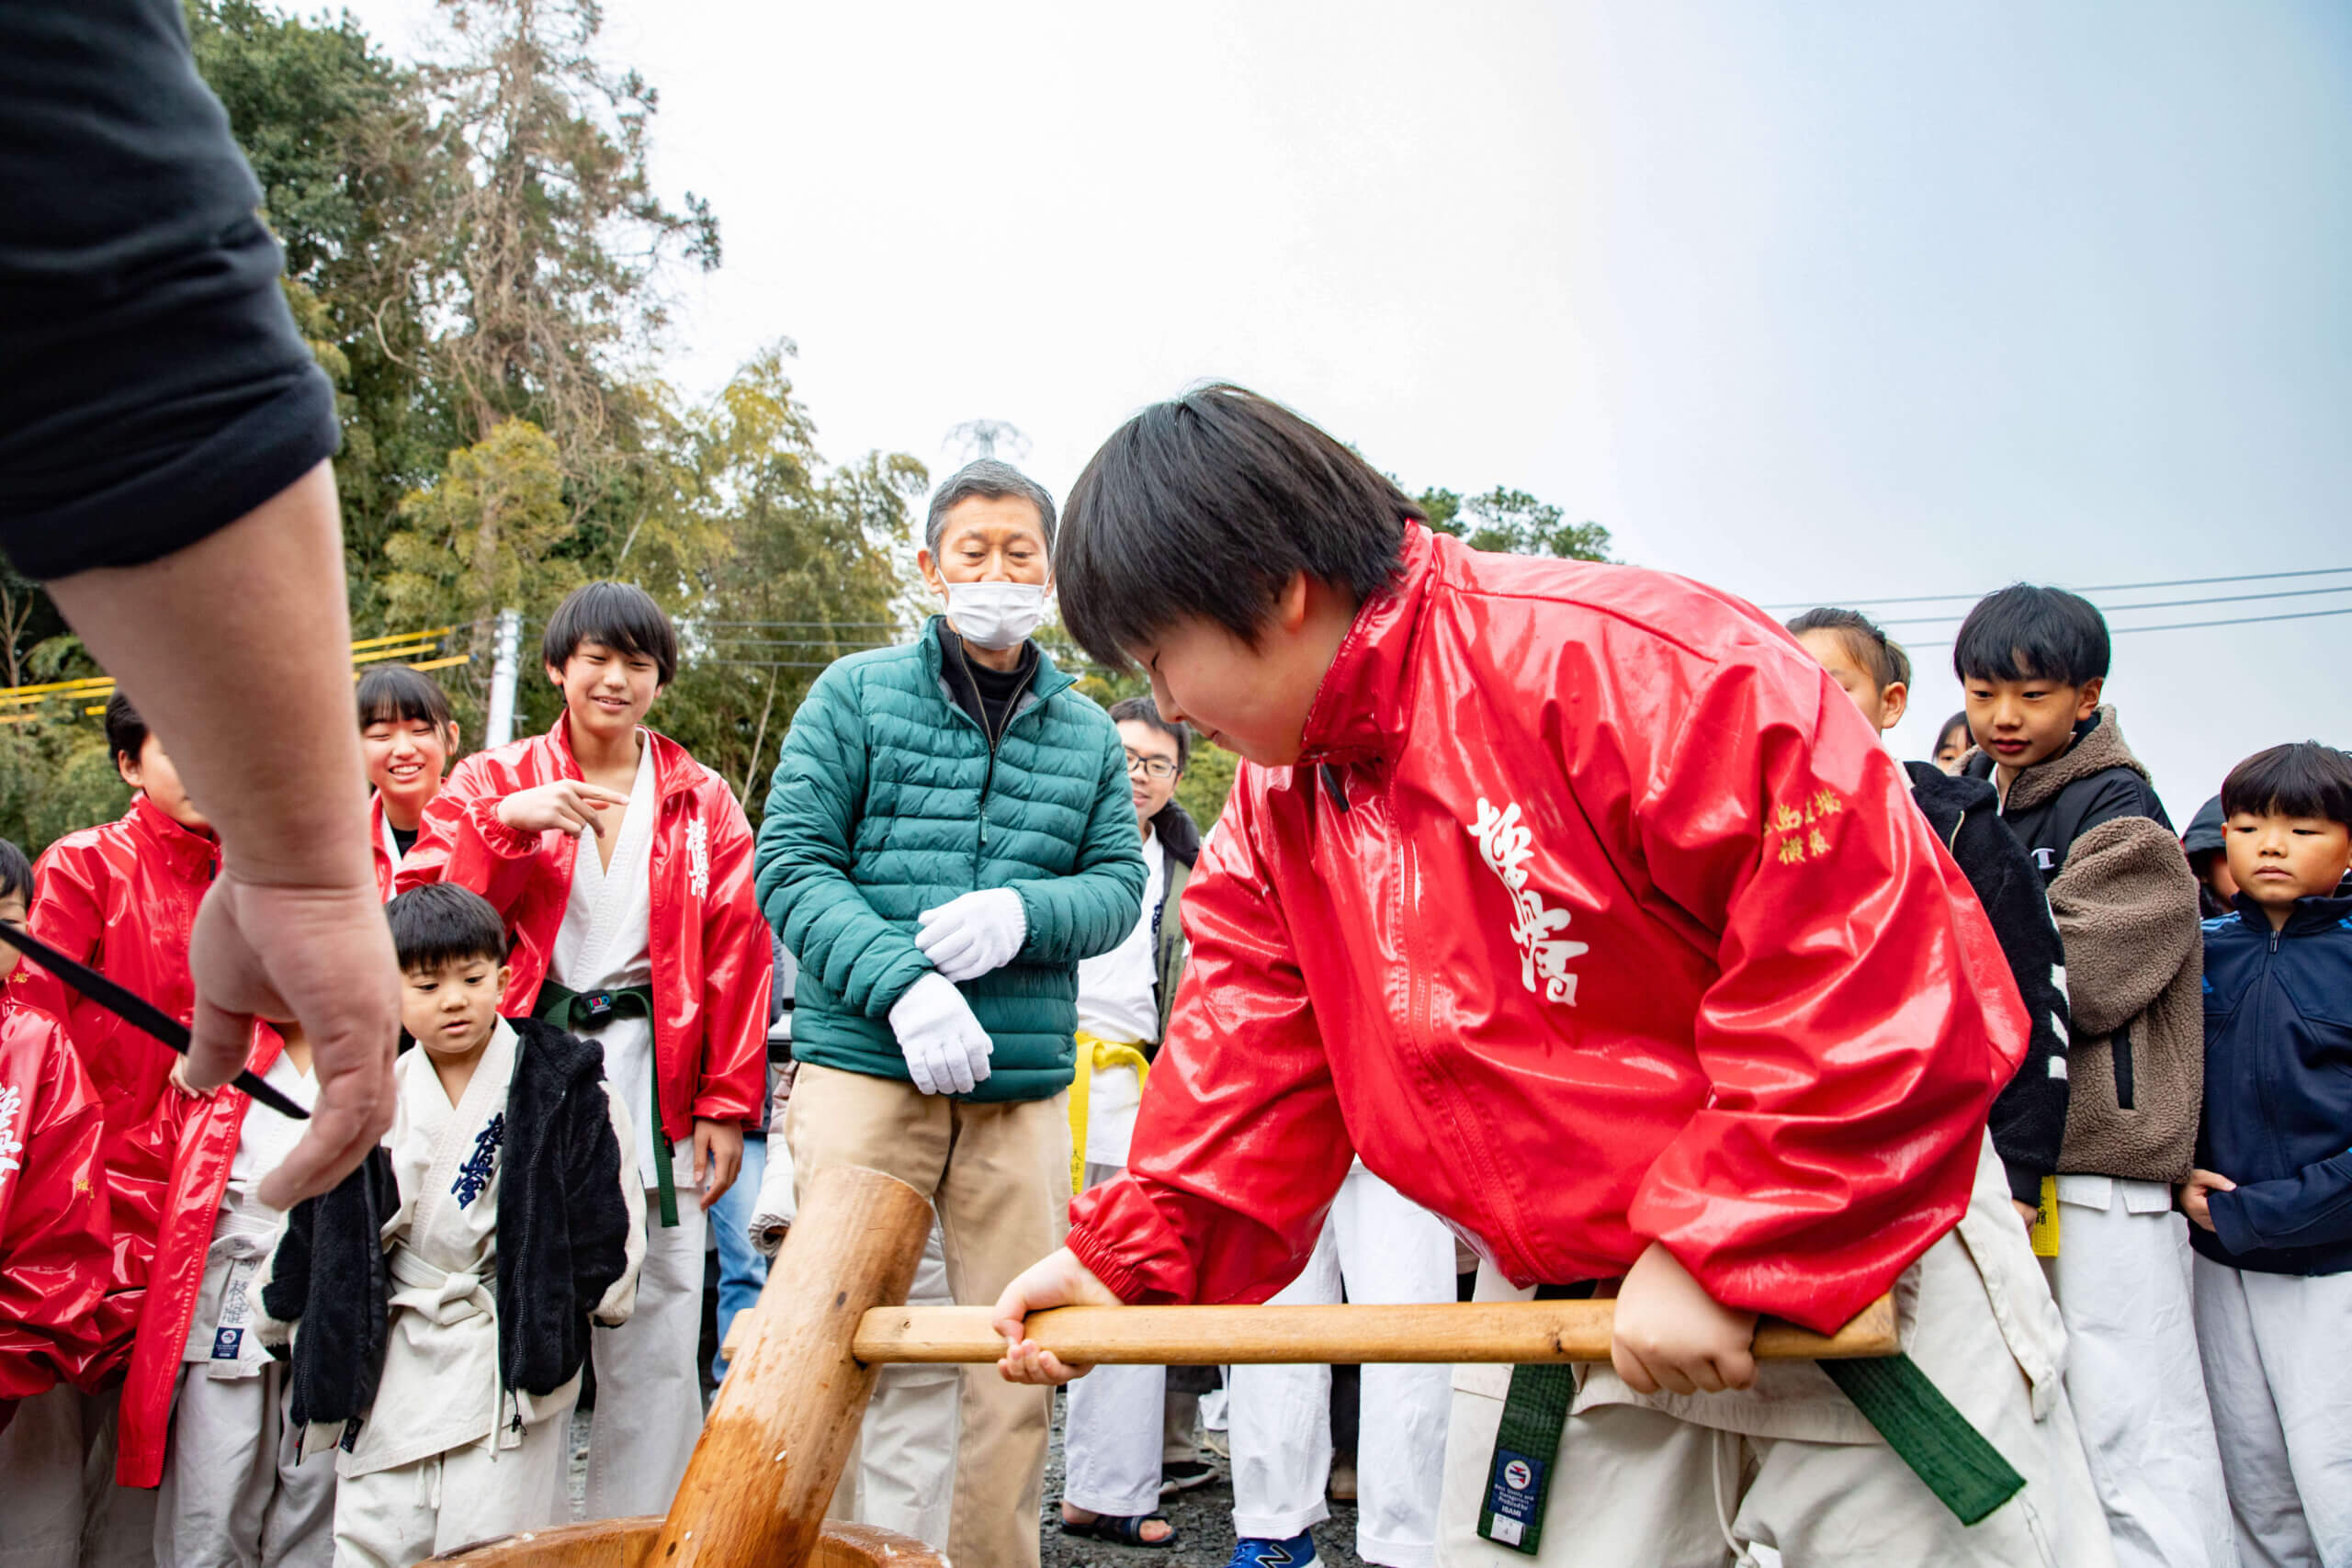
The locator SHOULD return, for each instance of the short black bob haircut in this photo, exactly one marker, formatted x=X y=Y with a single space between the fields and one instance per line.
x=2025 y=633
x=1864 y=643
x=1956 y=725
x=1206 y=507
x=1143 y=710
x=394 y=694
x=15 y=877
x=2301 y=778
x=441 y=923
x=622 y=617
x=126 y=732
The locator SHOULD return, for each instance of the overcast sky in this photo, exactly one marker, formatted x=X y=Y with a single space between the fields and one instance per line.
x=1822 y=303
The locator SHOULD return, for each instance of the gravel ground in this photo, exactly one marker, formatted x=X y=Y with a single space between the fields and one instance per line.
x=1203 y=1521
x=1203 y=1518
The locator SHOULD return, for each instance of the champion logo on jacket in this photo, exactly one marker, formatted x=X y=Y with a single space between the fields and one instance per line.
x=1508 y=844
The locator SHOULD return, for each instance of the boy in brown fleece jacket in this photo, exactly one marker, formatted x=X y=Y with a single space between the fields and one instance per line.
x=2032 y=663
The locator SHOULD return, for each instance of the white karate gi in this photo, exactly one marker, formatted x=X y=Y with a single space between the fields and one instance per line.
x=1386 y=1249
x=447 y=1455
x=2122 y=1282
x=236 y=1490
x=1115 y=1441
x=1790 y=1470
x=2281 y=1381
x=649 y=1391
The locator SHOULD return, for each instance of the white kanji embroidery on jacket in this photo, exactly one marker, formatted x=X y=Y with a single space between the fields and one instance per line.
x=697 y=858
x=12 y=1105
x=1507 y=845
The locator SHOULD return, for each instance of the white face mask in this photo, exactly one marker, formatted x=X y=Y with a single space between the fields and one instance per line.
x=995 y=615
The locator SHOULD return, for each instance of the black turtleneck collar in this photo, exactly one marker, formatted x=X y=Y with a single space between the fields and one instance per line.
x=988 y=695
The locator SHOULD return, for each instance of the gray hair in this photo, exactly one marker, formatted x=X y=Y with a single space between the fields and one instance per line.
x=987 y=480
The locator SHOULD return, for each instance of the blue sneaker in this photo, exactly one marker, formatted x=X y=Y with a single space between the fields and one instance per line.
x=1298 y=1552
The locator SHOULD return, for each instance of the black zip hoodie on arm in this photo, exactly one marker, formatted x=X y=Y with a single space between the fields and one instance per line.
x=564 y=1242
x=2029 y=1116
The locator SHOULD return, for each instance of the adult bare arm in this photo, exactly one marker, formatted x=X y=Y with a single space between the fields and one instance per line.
x=236 y=649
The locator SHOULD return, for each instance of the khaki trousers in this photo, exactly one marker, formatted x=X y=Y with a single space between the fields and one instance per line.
x=999 y=1175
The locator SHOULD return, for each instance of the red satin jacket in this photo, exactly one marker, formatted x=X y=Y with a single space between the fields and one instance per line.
x=1593 y=916
x=202 y=1135
x=55 y=1237
x=712 y=960
x=379 y=847
x=122 y=898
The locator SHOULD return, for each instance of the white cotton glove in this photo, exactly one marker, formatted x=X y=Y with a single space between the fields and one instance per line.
x=774 y=1209
x=947 y=1050
x=966 y=937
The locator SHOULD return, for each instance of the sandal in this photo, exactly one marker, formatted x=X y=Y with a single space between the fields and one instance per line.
x=1123 y=1530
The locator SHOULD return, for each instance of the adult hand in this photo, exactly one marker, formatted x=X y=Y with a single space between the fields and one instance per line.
x=968 y=937
x=2196 y=1194
x=1058 y=1280
x=568 y=806
x=719 y=1149
x=946 y=1049
x=323 y=955
x=1671 y=1335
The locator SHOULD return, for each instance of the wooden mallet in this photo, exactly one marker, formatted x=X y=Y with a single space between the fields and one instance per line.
x=802 y=1366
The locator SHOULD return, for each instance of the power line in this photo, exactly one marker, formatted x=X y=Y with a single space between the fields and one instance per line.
x=2152 y=604
x=2192 y=625
x=2091 y=588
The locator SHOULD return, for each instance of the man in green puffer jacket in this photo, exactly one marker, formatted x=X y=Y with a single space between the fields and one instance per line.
x=948 y=832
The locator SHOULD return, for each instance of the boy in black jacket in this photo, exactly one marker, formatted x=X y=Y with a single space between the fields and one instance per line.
x=2032 y=664
x=2028 y=1119
x=444 y=1291
x=2271 y=1196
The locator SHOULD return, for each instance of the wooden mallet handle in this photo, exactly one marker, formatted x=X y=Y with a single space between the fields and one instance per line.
x=1513 y=1332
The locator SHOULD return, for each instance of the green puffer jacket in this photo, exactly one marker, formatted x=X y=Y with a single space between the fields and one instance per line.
x=885 y=803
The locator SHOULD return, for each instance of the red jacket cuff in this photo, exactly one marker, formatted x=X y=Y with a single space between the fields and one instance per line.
x=496 y=836
x=1125 y=1283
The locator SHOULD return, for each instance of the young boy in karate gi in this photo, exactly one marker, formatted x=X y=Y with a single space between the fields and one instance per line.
x=439 y=1298
x=1580 y=904
x=623 y=870
x=205 y=1410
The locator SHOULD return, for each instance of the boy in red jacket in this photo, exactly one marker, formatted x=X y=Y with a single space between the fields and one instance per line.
x=122 y=898
x=623 y=870
x=1585 y=908
x=205 y=1406
x=53 y=1262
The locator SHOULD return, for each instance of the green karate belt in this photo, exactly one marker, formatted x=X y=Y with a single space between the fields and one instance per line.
x=585 y=1012
x=1967 y=1474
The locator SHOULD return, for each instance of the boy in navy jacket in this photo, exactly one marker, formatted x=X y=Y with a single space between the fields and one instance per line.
x=2270 y=1201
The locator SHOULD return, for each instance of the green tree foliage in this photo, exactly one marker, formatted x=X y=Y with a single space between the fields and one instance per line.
x=1512 y=521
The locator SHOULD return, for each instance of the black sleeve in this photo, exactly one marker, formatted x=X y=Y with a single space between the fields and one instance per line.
x=156 y=387
x=2119 y=792
x=595 y=1209
x=2029 y=1116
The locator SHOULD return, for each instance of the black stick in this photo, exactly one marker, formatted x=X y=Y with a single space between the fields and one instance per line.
x=137 y=1011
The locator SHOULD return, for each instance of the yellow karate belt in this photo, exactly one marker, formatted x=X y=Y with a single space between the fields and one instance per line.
x=1094 y=1054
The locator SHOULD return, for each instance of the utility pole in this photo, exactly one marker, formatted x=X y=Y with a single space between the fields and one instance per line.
x=500 y=727
x=980 y=437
